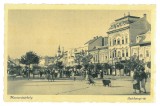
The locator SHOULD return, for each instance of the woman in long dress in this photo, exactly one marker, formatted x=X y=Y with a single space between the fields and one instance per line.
x=143 y=80
x=136 y=82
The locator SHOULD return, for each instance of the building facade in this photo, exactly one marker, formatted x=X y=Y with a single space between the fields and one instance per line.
x=142 y=48
x=122 y=33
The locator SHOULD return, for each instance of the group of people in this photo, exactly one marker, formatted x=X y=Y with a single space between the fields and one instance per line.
x=139 y=80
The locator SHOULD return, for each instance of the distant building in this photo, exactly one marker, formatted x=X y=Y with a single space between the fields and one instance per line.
x=98 y=48
x=97 y=41
x=45 y=61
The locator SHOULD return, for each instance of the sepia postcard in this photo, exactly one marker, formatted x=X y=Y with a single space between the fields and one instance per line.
x=79 y=53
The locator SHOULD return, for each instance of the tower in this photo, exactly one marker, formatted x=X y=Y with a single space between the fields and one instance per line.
x=59 y=51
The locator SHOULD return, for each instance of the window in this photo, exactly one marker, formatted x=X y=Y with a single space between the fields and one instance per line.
x=126 y=52
x=122 y=53
x=147 y=53
x=110 y=54
x=126 y=39
x=115 y=41
x=106 y=58
x=122 y=40
x=102 y=41
x=115 y=53
x=141 y=55
x=119 y=54
x=118 y=42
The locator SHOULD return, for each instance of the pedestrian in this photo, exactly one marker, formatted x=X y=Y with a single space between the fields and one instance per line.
x=28 y=73
x=143 y=80
x=136 y=81
x=101 y=74
x=52 y=75
x=40 y=73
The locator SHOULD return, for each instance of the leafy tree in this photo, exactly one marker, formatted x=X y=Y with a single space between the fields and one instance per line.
x=133 y=63
x=59 y=64
x=35 y=70
x=119 y=66
x=86 y=66
x=51 y=66
x=78 y=66
x=106 y=66
x=29 y=58
x=98 y=66
x=91 y=66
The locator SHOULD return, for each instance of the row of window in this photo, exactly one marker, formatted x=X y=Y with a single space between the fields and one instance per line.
x=118 y=41
x=114 y=54
x=141 y=55
x=102 y=57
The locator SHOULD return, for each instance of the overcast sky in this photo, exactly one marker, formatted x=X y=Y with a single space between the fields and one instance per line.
x=42 y=31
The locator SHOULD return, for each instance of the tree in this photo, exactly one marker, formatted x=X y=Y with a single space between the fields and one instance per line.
x=78 y=66
x=29 y=58
x=60 y=66
x=83 y=59
x=91 y=66
x=98 y=66
x=106 y=66
x=132 y=64
x=119 y=66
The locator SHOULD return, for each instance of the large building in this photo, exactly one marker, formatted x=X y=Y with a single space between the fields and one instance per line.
x=123 y=32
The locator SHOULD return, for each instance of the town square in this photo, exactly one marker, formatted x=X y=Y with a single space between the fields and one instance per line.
x=79 y=52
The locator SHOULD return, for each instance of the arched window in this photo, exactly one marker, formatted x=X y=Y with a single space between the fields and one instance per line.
x=122 y=40
x=115 y=42
x=115 y=53
x=126 y=52
x=122 y=53
x=118 y=41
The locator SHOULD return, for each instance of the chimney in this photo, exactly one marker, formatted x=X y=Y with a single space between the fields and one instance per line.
x=145 y=16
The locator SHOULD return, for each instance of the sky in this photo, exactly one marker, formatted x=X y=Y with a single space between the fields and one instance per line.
x=42 y=31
